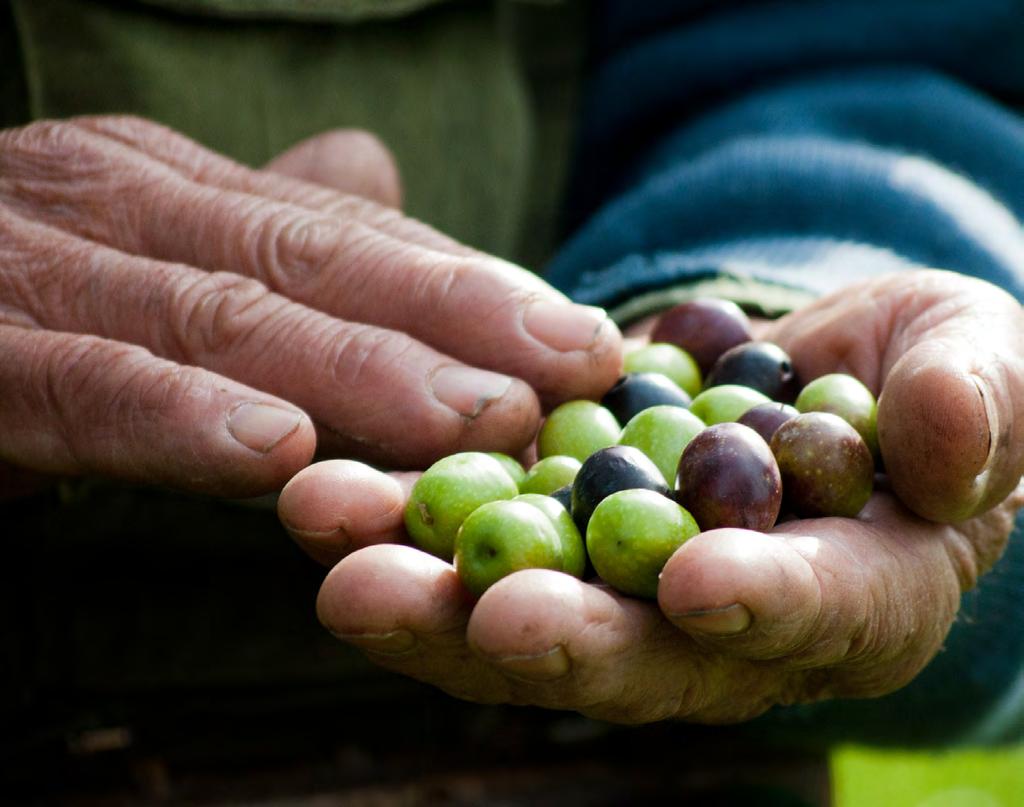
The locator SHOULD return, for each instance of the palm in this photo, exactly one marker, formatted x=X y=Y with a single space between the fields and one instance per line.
x=818 y=608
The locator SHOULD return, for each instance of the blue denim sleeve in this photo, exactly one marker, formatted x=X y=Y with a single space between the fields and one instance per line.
x=815 y=182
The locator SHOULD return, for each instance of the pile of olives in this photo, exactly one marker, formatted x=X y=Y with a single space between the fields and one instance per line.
x=707 y=429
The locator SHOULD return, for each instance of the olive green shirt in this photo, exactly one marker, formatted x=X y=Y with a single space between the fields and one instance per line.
x=474 y=98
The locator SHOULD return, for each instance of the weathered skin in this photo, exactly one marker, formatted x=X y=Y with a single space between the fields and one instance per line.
x=171 y=317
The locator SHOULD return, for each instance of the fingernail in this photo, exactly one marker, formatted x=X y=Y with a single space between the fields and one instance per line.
x=393 y=643
x=547 y=666
x=337 y=540
x=988 y=400
x=726 y=621
x=466 y=390
x=260 y=426
x=564 y=326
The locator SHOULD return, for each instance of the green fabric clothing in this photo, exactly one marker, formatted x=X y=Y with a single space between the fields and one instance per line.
x=322 y=10
x=249 y=78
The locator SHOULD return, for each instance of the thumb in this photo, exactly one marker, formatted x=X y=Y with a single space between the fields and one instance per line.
x=951 y=419
x=348 y=160
x=951 y=429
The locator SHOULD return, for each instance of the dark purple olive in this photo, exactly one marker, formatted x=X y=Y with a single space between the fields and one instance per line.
x=563 y=496
x=729 y=478
x=766 y=418
x=705 y=328
x=635 y=392
x=608 y=471
x=763 y=366
x=826 y=467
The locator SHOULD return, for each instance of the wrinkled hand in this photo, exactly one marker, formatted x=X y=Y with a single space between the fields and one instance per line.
x=169 y=316
x=816 y=609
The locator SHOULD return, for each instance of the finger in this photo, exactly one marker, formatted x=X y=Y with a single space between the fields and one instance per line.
x=508 y=320
x=335 y=507
x=951 y=416
x=871 y=598
x=408 y=612
x=84 y=405
x=536 y=637
x=566 y=644
x=947 y=353
x=367 y=386
x=347 y=160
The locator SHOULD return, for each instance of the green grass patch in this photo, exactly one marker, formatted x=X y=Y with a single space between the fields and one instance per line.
x=868 y=778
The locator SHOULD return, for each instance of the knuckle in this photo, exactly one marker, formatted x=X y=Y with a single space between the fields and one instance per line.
x=92 y=373
x=465 y=282
x=26 y=273
x=65 y=375
x=369 y=356
x=120 y=123
x=45 y=135
x=71 y=368
x=118 y=387
x=439 y=282
x=218 y=313
x=436 y=284
x=133 y=126
x=383 y=377
x=291 y=247
x=63 y=175
x=146 y=135
x=45 y=147
x=39 y=160
x=45 y=274
x=155 y=389
x=348 y=260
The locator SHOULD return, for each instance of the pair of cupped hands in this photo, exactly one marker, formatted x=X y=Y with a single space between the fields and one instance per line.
x=168 y=316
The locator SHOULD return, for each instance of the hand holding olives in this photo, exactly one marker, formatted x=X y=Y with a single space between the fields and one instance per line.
x=816 y=608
